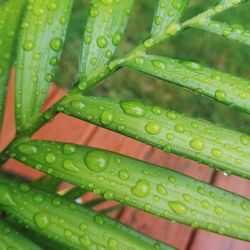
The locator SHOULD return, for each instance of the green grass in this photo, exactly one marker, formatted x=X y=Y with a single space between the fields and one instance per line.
x=208 y=49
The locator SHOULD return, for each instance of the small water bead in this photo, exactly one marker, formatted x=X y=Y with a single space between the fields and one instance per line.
x=51 y=5
x=139 y=60
x=244 y=140
x=96 y=160
x=204 y=204
x=158 y=20
x=83 y=227
x=186 y=197
x=171 y=115
x=85 y=241
x=191 y=65
x=38 y=198
x=50 y=158
x=156 y=110
x=27 y=149
x=116 y=39
x=197 y=144
x=78 y=105
x=133 y=108
x=41 y=220
x=56 y=44
x=107 y=117
x=102 y=42
x=178 y=207
x=179 y=128
x=70 y=166
x=161 y=189
x=112 y=243
x=24 y=187
x=98 y=219
x=123 y=174
x=218 y=210
x=220 y=95
x=170 y=136
x=6 y=196
x=153 y=128
x=217 y=152
x=28 y=45
x=69 y=149
x=107 y=2
x=141 y=189
x=159 y=64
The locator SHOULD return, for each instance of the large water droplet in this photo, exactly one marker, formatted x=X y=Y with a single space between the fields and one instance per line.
x=113 y=244
x=41 y=220
x=70 y=166
x=178 y=207
x=216 y=152
x=56 y=44
x=50 y=158
x=28 y=45
x=197 y=144
x=6 y=196
x=159 y=64
x=107 y=117
x=133 y=108
x=97 y=160
x=142 y=188
x=153 y=128
x=116 y=39
x=161 y=189
x=102 y=42
x=27 y=149
x=107 y=2
x=220 y=95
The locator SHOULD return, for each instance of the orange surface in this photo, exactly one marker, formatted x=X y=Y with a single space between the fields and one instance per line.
x=65 y=128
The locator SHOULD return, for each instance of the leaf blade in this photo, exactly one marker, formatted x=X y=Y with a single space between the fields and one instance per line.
x=41 y=40
x=10 y=15
x=222 y=87
x=106 y=24
x=138 y=183
x=166 y=129
x=78 y=228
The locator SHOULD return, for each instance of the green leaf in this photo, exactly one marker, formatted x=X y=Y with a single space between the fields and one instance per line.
x=157 y=190
x=66 y=222
x=195 y=139
x=10 y=238
x=204 y=81
x=234 y=32
x=106 y=24
x=42 y=37
x=10 y=15
x=167 y=13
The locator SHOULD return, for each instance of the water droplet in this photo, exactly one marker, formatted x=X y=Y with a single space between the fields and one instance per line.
x=69 y=149
x=216 y=152
x=24 y=187
x=156 y=110
x=153 y=128
x=244 y=139
x=218 y=210
x=204 y=204
x=70 y=166
x=161 y=189
x=220 y=95
x=197 y=144
x=56 y=44
x=97 y=160
x=112 y=244
x=41 y=220
x=28 y=45
x=6 y=196
x=178 y=207
x=38 y=198
x=98 y=219
x=106 y=118
x=85 y=241
x=116 y=39
x=123 y=174
x=107 y=2
x=191 y=65
x=142 y=188
x=108 y=195
x=171 y=115
x=27 y=149
x=159 y=64
x=77 y=105
x=102 y=42
x=50 y=158
x=158 y=20
x=133 y=108
x=83 y=227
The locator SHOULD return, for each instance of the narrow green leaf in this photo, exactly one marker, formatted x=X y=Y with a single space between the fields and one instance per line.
x=103 y=33
x=10 y=238
x=234 y=32
x=42 y=37
x=167 y=13
x=195 y=139
x=10 y=15
x=157 y=190
x=204 y=81
x=66 y=222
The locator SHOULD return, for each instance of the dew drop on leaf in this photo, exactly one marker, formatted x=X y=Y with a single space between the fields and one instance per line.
x=56 y=44
x=69 y=149
x=133 y=108
x=141 y=189
x=107 y=117
x=107 y=2
x=6 y=196
x=102 y=42
x=178 y=207
x=97 y=160
x=220 y=95
x=159 y=64
x=197 y=144
x=153 y=128
x=50 y=158
x=70 y=166
x=27 y=149
x=28 y=45
x=41 y=220
x=161 y=189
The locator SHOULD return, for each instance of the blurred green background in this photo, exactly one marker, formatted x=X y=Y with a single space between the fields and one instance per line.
x=208 y=49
